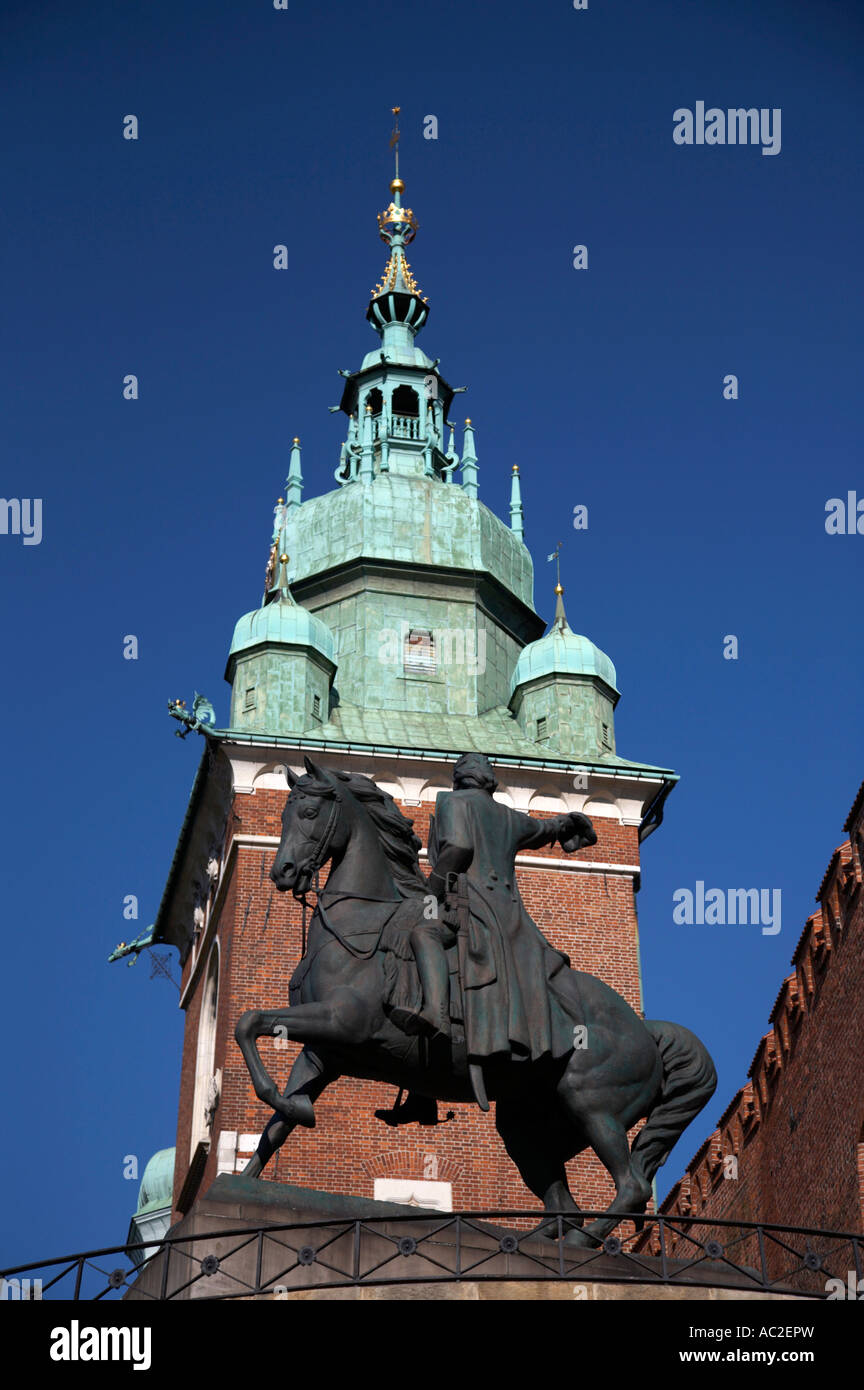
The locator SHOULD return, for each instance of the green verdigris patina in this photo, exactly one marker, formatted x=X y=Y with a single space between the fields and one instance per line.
x=398 y=609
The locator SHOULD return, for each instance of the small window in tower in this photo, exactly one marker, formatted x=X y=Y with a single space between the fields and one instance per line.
x=249 y=702
x=541 y=726
x=607 y=741
x=316 y=706
x=419 y=654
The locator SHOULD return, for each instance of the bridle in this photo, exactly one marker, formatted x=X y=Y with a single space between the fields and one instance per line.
x=319 y=858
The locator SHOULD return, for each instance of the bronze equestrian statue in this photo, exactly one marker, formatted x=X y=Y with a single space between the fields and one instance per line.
x=446 y=987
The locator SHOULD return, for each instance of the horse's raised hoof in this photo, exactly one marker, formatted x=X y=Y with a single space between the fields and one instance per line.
x=579 y=1240
x=298 y=1110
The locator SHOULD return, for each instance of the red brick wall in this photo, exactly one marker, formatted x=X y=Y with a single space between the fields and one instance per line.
x=590 y=916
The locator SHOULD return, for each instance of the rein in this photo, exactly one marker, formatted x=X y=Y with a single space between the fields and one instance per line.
x=321 y=852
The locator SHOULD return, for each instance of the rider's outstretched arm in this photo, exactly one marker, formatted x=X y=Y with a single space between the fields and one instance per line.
x=572 y=830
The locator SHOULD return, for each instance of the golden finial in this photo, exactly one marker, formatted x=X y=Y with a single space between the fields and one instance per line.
x=467 y=422
x=296 y=439
x=279 y=501
x=283 y=558
x=515 y=468
x=559 y=588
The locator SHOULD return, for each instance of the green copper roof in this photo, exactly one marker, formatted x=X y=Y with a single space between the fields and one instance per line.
x=157 y=1184
x=414 y=520
x=495 y=732
x=284 y=622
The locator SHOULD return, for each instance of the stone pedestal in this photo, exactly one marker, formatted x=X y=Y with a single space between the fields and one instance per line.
x=233 y=1244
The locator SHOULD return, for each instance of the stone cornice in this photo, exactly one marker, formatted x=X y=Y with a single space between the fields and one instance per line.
x=415 y=778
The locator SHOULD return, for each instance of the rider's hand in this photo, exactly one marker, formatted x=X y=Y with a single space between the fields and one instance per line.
x=580 y=835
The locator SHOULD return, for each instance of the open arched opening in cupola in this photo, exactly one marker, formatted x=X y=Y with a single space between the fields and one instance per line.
x=375 y=400
x=406 y=413
x=406 y=401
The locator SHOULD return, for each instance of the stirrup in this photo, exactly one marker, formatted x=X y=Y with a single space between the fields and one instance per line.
x=417 y=1109
x=412 y=1022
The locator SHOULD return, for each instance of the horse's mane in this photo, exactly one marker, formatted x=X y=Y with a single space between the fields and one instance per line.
x=395 y=830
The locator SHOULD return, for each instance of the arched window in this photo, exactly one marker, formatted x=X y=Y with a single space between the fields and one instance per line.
x=376 y=400
x=205 y=1100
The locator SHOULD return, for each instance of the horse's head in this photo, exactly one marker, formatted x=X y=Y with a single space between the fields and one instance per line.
x=313 y=829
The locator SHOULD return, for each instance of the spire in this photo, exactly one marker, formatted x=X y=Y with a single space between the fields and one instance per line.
x=469 y=461
x=559 y=622
x=396 y=299
x=294 y=483
x=517 y=524
x=285 y=594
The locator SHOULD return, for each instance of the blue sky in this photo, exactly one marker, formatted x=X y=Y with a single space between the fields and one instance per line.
x=706 y=516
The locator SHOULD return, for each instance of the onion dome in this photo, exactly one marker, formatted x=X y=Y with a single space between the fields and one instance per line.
x=157 y=1184
x=563 y=652
x=152 y=1216
x=281 y=622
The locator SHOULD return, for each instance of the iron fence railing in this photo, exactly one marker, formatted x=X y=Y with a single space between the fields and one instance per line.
x=427 y=1247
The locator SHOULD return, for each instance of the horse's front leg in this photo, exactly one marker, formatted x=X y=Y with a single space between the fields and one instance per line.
x=343 y=1018
x=309 y=1077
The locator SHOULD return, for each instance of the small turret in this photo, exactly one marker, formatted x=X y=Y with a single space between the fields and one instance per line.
x=564 y=693
x=280 y=666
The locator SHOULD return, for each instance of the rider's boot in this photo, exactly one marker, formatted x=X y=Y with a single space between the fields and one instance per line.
x=434 y=1016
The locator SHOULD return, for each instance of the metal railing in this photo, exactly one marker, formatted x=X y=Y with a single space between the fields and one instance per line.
x=422 y=1247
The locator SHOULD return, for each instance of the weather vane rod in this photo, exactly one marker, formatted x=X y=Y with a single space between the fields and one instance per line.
x=556 y=556
x=394 y=138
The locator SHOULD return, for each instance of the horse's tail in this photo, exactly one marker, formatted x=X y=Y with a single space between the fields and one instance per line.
x=689 y=1082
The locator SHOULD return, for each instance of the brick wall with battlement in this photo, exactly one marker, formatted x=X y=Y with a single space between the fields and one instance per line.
x=789 y=1148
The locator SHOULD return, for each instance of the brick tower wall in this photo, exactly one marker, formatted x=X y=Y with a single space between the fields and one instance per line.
x=590 y=916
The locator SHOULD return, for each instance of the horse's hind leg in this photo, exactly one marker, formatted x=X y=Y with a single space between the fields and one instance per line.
x=607 y=1136
x=535 y=1148
x=308 y=1078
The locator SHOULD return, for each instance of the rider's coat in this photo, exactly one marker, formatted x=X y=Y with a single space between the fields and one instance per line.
x=508 y=967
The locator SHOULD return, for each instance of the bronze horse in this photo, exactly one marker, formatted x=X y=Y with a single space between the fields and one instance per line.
x=546 y=1111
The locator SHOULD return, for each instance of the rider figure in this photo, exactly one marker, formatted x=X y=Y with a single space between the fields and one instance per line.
x=507 y=966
